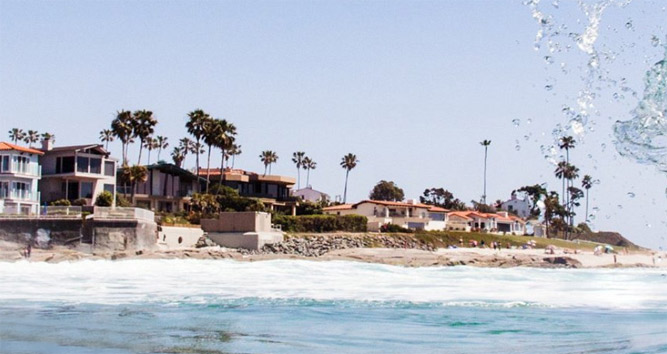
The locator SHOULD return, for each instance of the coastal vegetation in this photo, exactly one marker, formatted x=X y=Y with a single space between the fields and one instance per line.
x=387 y=190
x=321 y=223
x=348 y=162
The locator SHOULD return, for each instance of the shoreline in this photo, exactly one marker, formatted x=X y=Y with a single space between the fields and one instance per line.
x=408 y=257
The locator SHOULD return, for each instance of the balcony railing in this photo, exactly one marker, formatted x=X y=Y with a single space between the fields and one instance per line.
x=123 y=214
x=31 y=169
x=24 y=195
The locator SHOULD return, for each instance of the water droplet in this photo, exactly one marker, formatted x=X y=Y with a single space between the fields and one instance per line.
x=631 y=194
x=655 y=41
x=529 y=121
x=548 y=87
x=648 y=225
x=616 y=96
x=596 y=209
x=620 y=206
x=555 y=3
x=517 y=147
x=526 y=137
x=607 y=217
x=516 y=122
x=591 y=217
x=603 y=146
x=548 y=59
x=628 y=24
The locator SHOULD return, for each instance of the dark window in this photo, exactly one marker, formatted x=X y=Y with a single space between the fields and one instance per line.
x=73 y=190
x=5 y=163
x=109 y=168
x=67 y=165
x=59 y=162
x=82 y=164
x=109 y=188
x=86 y=190
x=95 y=165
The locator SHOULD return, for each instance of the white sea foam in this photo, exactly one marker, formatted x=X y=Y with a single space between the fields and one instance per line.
x=205 y=281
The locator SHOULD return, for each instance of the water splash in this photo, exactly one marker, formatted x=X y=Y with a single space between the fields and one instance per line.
x=644 y=137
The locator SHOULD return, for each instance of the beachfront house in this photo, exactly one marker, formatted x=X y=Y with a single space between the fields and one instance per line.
x=272 y=190
x=311 y=195
x=518 y=206
x=168 y=188
x=79 y=172
x=510 y=224
x=19 y=176
x=459 y=221
x=410 y=214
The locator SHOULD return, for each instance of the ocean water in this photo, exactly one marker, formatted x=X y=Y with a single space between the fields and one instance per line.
x=288 y=306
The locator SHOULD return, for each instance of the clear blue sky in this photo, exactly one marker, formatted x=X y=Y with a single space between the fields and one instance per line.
x=410 y=87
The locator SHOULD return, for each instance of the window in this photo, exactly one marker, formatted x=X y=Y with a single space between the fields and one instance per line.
x=4 y=161
x=4 y=189
x=109 y=188
x=65 y=164
x=82 y=164
x=86 y=190
x=109 y=168
x=95 y=165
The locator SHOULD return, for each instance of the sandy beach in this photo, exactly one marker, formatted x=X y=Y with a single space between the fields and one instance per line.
x=481 y=257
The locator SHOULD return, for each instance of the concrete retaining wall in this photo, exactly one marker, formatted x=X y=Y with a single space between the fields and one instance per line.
x=179 y=237
x=247 y=240
x=250 y=221
x=122 y=235
x=21 y=230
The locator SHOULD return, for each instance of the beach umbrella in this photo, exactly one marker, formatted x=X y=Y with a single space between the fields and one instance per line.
x=609 y=247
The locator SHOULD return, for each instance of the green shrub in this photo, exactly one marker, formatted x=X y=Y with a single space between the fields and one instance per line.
x=321 y=223
x=394 y=228
x=61 y=202
x=122 y=201
x=105 y=199
x=80 y=202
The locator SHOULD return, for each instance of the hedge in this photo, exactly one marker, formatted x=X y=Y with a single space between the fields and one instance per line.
x=321 y=223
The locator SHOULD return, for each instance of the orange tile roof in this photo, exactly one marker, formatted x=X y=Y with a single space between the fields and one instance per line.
x=438 y=209
x=7 y=146
x=461 y=214
x=396 y=204
x=338 y=207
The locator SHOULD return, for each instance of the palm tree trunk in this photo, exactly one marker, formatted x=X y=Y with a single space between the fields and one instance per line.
x=347 y=173
x=208 y=168
x=270 y=168
x=586 y=218
x=197 y=161
x=233 y=159
x=485 y=156
x=298 y=178
x=307 y=177
x=265 y=167
x=141 y=147
x=149 y=157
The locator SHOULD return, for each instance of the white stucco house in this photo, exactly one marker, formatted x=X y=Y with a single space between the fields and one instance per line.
x=518 y=206
x=20 y=173
x=410 y=214
x=311 y=195
x=76 y=172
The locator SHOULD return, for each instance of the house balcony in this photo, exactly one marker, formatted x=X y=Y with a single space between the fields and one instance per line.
x=30 y=170
x=21 y=196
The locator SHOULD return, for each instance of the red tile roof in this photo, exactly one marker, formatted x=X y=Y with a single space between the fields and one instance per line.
x=7 y=146
x=338 y=207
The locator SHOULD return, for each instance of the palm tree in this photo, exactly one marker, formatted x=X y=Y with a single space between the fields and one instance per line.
x=106 y=136
x=560 y=174
x=571 y=173
x=348 y=162
x=587 y=183
x=31 y=137
x=225 y=141
x=178 y=156
x=297 y=158
x=195 y=126
x=122 y=128
x=48 y=136
x=150 y=144
x=16 y=135
x=567 y=143
x=233 y=151
x=161 y=144
x=143 y=127
x=186 y=147
x=268 y=157
x=308 y=164
x=212 y=131
x=133 y=175
x=486 y=144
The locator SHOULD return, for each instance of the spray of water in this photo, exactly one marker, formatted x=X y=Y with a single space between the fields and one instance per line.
x=644 y=137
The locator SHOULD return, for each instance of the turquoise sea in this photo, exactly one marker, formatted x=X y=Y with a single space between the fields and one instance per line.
x=288 y=306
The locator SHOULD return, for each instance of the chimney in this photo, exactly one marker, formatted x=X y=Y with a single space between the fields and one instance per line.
x=412 y=201
x=47 y=144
